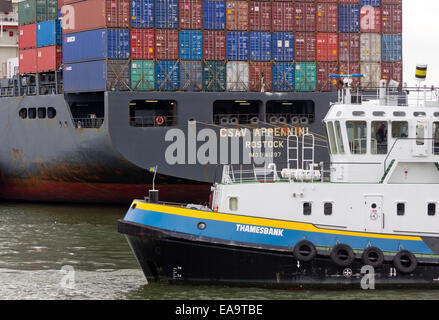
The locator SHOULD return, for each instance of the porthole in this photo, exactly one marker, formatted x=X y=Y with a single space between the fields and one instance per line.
x=134 y=206
x=307 y=208
x=400 y=209
x=374 y=205
x=23 y=113
x=327 y=208
x=201 y=225
x=42 y=113
x=51 y=113
x=32 y=113
x=431 y=209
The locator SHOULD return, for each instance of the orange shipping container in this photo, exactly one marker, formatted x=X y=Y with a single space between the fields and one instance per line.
x=327 y=47
x=237 y=15
x=27 y=61
x=49 y=58
x=95 y=14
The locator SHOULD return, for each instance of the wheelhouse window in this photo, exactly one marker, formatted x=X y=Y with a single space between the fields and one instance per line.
x=307 y=206
x=234 y=112
x=293 y=112
x=435 y=138
x=400 y=129
x=357 y=136
x=233 y=203
x=23 y=113
x=42 y=113
x=420 y=134
x=400 y=209
x=331 y=138
x=153 y=113
x=327 y=208
x=340 y=145
x=431 y=209
x=51 y=112
x=32 y=113
x=379 y=137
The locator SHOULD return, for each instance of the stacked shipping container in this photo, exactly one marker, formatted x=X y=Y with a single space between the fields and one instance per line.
x=236 y=45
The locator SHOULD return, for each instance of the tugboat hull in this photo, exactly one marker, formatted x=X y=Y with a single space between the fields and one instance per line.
x=175 y=256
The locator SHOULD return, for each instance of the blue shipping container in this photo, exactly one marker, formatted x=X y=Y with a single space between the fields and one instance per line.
x=166 y=14
x=118 y=43
x=283 y=76
x=391 y=49
x=96 y=45
x=237 y=45
x=374 y=3
x=214 y=15
x=49 y=33
x=191 y=76
x=142 y=13
x=167 y=74
x=99 y=75
x=283 y=46
x=349 y=18
x=191 y=44
x=260 y=46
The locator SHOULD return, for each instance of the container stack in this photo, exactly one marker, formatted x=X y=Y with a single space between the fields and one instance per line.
x=231 y=45
x=40 y=35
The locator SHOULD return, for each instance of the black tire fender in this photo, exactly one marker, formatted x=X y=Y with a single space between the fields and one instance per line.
x=405 y=261
x=373 y=256
x=342 y=255
x=305 y=251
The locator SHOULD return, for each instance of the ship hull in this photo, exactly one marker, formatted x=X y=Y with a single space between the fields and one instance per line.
x=183 y=253
x=60 y=160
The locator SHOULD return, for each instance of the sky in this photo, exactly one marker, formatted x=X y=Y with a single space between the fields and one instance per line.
x=421 y=39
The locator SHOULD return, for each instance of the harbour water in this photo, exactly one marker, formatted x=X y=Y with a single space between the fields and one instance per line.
x=75 y=252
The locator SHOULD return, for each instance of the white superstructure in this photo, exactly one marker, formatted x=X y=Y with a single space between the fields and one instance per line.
x=383 y=176
x=8 y=38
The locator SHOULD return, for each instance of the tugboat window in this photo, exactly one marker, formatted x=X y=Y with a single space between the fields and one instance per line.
x=432 y=209
x=379 y=137
x=400 y=209
x=233 y=203
x=420 y=134
x=435 y=138
x=331 y=138
x=23 y=113
x=51 y=113
x=400 y=129
x=32 y=113
x=307 y=208
x=327 y=208
x=41 y=113
x=339 y=137
x=357 y=135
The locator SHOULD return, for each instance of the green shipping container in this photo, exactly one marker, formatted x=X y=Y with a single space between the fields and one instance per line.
x=46 y=10
x=214 y=76
x=27 y=13
x=305 y=76
x=142 y=75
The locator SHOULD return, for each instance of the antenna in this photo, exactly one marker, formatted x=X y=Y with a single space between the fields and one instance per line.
x=153 y=194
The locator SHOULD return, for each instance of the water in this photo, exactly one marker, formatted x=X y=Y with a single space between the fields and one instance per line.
x=75 y=252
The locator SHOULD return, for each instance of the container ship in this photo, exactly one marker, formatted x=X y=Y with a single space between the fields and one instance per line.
x=112 y=96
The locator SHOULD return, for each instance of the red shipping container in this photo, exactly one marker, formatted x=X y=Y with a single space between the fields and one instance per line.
x=324 y=70
x=261 y=76
x=95 y=14
x=27 y=36
x=142 y=44
x=237 y=15
x=191 y=14
x=350 y=68
x=27 y=61
x=370 y=19
x=166 y=44
x=349 y=47
x=325 y=1
x=49 y=58
x=260 y=16
x=305 y=17
x=327 y=47
x=214 y=45
x=283 y=16
x=392 y=71
x=391 y=1
x=305 y=47
x=327 y=17
x=391 y=18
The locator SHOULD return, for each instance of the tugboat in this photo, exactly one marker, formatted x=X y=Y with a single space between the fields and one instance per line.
x=302 y=225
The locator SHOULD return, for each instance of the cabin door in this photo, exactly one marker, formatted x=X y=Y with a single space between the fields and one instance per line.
x=420 y=144
x=374 y=217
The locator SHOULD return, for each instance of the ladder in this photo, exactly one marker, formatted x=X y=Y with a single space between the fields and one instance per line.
x=293 y=146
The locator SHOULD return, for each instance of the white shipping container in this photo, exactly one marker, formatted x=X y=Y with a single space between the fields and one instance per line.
x=12 y=67
x=237 y=76
x=370 y=47
x=371 y=74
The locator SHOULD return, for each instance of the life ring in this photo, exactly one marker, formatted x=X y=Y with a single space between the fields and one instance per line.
x=405 y=261
x=373 y=256
x=305 y=251
x=342 y=255
x=160 y=120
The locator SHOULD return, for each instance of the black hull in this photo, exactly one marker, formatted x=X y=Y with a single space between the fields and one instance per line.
x=180 y=258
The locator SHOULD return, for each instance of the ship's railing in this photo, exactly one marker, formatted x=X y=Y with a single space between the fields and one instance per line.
x=388 y=96
x=153 y=121
x=238 y=174
x=88 y=123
